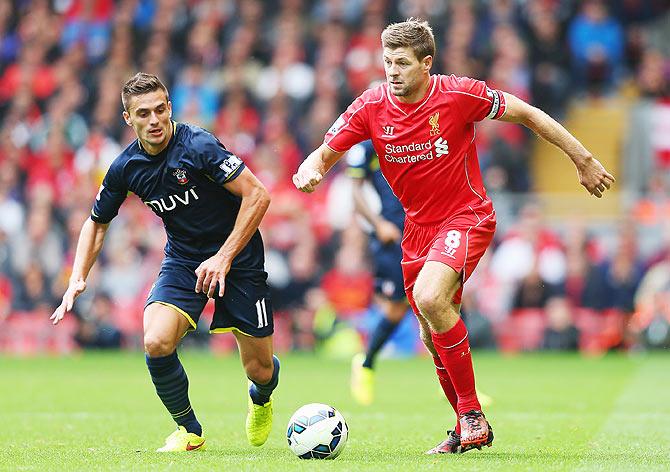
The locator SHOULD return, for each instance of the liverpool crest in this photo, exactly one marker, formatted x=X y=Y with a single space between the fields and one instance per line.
x=434 y=123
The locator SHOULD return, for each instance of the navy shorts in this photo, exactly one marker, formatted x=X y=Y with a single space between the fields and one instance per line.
x=388 y=271
x=245 y=306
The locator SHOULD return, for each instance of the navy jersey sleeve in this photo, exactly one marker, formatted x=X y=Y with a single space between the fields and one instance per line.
x=111 y=195
x=214 y=159
x=358 y=163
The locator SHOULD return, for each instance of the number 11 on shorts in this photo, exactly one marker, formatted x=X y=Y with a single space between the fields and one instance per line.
x=262 y=314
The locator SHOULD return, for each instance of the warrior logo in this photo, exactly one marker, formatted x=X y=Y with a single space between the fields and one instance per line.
x=434 y=123
x=181 y=176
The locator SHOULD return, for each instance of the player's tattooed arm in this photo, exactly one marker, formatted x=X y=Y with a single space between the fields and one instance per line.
x=255 y=202
x=311 y=171
x=91 y=237
x=592 y=175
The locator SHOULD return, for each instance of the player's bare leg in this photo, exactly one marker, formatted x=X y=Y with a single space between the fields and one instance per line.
x=362 y=373
x=164 y=327
x=434 y=291
x=262 y=369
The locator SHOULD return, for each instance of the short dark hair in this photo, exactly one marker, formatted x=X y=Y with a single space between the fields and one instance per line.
x=412 y=33
x=139 y=84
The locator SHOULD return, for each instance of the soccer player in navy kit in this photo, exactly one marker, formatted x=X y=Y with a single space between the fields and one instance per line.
x=211 y=206
x=362 y=165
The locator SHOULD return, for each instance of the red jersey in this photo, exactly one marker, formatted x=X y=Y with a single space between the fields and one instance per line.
x=426 y=149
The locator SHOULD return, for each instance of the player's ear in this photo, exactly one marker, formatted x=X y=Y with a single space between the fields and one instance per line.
x=126 y=118
x=427 y=63
x=169 y=106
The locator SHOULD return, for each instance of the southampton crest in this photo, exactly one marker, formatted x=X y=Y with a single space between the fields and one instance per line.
x=181 y=176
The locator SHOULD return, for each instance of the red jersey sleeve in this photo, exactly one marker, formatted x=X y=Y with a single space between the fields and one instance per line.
x=350 y=128
x=477 y=101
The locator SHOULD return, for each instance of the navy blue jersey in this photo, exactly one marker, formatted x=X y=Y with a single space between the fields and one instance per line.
x=183 y=185
x=363 y=163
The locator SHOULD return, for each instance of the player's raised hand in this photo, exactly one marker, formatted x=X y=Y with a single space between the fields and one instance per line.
x=73 y=290
x=211 y=272
x=593 y=176
x=387 y=232
x=306 y=179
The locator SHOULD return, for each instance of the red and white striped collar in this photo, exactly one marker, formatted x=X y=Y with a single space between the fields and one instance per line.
x=409 y=108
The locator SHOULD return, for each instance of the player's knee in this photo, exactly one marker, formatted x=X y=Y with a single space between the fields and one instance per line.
x=157 y=346
x=259 y=371
x=429 y=300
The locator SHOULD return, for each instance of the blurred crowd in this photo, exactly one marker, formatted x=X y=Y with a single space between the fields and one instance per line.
x=268 y=78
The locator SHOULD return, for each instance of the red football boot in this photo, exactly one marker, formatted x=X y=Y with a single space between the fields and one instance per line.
x=475 y=430
x=451 y=445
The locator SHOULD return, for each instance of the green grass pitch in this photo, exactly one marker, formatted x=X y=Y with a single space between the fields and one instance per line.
x=550 y=413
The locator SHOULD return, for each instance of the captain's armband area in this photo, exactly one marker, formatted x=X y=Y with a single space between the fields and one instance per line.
x=498 y=104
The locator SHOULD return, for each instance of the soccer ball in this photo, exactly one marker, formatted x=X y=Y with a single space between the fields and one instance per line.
x=317 y=431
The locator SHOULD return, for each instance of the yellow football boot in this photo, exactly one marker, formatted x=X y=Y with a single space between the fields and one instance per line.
x=183 y=441
x=484 y=399
x=362 y=381
x=259 y=422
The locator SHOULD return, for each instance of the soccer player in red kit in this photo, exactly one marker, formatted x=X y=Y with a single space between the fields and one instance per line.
x=422 y=127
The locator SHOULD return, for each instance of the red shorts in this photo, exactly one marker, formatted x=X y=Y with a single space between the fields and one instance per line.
x=459 y=242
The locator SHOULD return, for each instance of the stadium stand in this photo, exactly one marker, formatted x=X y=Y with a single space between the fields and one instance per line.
x=269 y=77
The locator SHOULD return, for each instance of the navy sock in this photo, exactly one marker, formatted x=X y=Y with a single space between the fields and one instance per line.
x=171 y=384
x=382 y=332
x=260 y=394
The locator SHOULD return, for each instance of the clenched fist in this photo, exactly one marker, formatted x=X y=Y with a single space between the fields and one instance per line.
x=306 y=179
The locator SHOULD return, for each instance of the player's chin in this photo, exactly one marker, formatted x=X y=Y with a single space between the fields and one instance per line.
x=399 y=91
